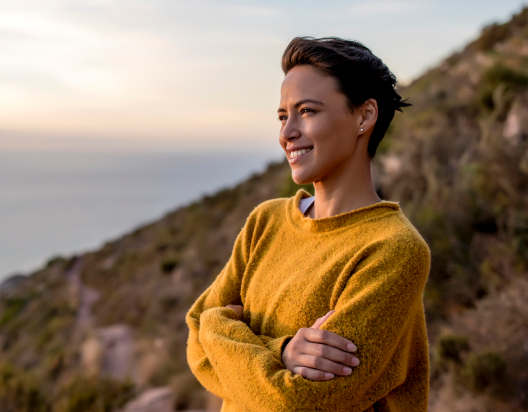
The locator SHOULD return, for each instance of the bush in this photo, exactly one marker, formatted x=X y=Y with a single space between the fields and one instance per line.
x=499 y=73
x=496 y=75
x=491 y=35
x=56 y=260
x=12 y=308
x=483 y=370
x=169 y=264
x=449 y=348
x=93 y=394
x=20 y=391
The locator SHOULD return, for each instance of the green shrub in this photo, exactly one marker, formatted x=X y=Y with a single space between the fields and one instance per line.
x=21 y=392
x=169 y=264
x=499 y=73
x=93 y=394
x=483 y=370
x=491 y=35
x=12 y=306
x=496 y=75
x=56 y=260
x=449 y=348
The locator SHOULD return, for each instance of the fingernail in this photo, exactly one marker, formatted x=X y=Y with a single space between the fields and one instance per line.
x=347 y=370
x=354 y=361
x=352 y=347
x=329 y=375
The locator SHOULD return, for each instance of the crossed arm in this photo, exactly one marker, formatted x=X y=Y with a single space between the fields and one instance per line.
x=315 y=354
x=376 y=312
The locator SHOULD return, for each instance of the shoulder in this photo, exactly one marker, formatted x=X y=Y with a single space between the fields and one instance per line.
x=271 y=205
x=269 y=210
x=399 y=249
x=265 y=215
x=397 y=236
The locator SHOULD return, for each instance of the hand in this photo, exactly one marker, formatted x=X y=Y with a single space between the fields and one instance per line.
x=318 y=354
x=239 y=309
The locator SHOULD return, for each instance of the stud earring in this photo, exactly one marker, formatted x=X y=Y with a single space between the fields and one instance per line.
x=361 y=129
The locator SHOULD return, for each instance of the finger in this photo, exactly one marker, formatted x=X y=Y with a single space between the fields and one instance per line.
x=330 y=353
x=322 y=320
x=236 y=308
x=324 y=365
x=312 y=374
x=328 y=338
x=317 y=323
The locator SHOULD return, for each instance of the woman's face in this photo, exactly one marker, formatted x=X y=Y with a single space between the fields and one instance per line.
x=316 y=119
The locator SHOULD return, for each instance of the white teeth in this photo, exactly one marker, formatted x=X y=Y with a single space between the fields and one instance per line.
x=296 y=153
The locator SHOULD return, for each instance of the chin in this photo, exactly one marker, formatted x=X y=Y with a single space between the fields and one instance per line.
x=302 y=178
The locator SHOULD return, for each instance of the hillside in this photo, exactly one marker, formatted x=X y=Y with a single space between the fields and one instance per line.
x=458 y=163
x=71 y=333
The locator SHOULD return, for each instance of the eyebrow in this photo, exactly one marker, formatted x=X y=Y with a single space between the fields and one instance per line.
x=301 y=103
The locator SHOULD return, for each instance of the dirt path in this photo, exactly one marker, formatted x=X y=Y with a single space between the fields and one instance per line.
x=114 y=346
x=86 y=297
x=111 y=348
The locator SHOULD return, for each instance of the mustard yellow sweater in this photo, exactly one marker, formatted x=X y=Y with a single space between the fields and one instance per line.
x=370 y=265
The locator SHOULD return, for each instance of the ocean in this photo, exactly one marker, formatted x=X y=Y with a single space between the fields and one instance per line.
x=63 y=203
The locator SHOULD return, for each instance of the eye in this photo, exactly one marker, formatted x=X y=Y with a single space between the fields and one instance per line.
x=306 y=110
x=283 y=118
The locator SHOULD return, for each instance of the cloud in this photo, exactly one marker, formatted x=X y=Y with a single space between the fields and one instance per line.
x=55 y=52
x=255 y=11
x=172 y=68
x=30 y=25
x=387 y=6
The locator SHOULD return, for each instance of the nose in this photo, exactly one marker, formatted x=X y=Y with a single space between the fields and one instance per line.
x=290 y=131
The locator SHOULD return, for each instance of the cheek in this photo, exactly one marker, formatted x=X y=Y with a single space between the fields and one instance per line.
x=335 y=140
x=330 y=133
x=321 y=129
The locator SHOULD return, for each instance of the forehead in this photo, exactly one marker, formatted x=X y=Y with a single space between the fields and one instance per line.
x=307 y=82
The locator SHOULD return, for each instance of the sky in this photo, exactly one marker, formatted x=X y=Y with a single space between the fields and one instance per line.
x=195 y=74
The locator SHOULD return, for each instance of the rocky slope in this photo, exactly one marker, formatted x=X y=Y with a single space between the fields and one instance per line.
x=90 y=333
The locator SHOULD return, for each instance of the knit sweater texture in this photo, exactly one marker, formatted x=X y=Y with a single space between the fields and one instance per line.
x=370 y=265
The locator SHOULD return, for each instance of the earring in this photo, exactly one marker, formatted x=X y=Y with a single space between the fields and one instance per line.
x=361 y=129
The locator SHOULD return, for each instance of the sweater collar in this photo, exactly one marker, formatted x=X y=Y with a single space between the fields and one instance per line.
x=340 y=221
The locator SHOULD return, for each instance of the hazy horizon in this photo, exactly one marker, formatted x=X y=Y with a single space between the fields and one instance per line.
x=67 y=203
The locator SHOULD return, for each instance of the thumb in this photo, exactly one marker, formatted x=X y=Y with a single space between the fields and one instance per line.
x=318 y=323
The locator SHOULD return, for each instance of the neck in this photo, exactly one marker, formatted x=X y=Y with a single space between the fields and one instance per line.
x=345 y=190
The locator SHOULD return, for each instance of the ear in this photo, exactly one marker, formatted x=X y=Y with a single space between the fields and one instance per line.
x=369 y=116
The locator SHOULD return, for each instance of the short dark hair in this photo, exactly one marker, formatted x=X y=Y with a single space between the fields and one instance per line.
x=359 y=74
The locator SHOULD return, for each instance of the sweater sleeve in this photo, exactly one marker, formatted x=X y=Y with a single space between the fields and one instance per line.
x=225 y=290
x=377 y=310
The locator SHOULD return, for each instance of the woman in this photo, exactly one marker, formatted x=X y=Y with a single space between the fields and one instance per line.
x=319 y=307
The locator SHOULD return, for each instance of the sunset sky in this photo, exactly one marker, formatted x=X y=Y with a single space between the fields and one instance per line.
x=198 y=74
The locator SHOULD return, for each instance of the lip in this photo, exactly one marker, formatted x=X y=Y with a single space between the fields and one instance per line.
x=298 y=158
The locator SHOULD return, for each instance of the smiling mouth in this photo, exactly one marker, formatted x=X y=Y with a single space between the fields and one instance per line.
x=298 y=153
